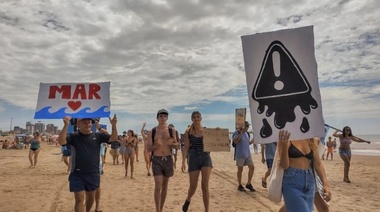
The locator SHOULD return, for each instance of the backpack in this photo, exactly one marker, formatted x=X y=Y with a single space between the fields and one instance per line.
x=154 y=134
x=234 y=145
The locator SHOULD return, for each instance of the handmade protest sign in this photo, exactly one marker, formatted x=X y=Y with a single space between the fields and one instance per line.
x=282 y=83
x=78 y=100
x=216 y=140
x=240 y=115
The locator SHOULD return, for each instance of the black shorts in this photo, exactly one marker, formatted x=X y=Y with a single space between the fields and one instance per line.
x=84 y=181
x=162 y=165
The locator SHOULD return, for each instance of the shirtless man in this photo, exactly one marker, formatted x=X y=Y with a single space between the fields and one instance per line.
x=162 y=161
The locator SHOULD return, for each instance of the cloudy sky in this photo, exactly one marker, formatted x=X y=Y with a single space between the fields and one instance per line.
x=183 y=56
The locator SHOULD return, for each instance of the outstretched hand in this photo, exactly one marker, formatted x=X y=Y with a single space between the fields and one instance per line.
x=66 y=120
x=113 y=121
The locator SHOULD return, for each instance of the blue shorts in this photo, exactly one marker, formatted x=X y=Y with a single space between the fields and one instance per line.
x=84 y=181
x=198 y=160
x=269 y=163
x=66 y=153
x=345 y=152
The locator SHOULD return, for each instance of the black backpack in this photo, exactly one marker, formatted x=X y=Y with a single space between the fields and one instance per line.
x=154 y=134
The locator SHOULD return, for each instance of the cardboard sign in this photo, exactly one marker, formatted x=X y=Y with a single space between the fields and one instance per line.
x=78 y=100
x=216 y=140
x=282 y=83
x=240 y=115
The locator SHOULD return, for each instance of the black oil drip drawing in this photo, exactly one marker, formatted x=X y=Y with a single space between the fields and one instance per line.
x=282 y=86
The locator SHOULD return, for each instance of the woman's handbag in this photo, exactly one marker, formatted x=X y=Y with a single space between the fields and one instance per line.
x=275 y=180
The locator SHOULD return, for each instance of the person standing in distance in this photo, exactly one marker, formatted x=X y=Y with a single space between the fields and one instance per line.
x=243 y=156
x=84 y=178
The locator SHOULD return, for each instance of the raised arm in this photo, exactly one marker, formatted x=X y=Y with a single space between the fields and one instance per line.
x=113 y=123
x=359 y=140
x=62 y=134
x=335 y=134
x=283 y=147
x=144 y=136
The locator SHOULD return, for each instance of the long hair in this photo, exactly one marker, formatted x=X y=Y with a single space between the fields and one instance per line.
x=312 y=144
x=131 y=131
x=344 y=131
x=191 y=129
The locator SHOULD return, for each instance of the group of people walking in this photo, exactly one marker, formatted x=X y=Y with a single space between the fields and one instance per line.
x=299 y=159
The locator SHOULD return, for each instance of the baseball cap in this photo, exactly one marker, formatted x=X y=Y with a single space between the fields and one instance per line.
x=92 y=120
x=162 y=111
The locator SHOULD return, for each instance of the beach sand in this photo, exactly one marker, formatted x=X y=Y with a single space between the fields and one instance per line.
x=45 y=188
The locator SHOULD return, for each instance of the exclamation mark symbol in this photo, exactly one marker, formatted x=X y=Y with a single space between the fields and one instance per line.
x=278 y=85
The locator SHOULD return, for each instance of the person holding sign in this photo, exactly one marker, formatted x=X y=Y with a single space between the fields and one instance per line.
x=198 y=160
x=243 y=156
x=84 y=178
x=160 y=141
x=344 y=149
x=299 y=159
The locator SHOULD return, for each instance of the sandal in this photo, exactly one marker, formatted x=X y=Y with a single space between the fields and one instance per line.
x=263 y=183
x=347 y=180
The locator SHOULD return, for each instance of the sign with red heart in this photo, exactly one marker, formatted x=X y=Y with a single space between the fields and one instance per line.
x=74 y=105
x=78 y=100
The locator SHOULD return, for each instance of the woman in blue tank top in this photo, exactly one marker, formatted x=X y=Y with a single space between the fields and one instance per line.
x=198 y=160
x=35 y=149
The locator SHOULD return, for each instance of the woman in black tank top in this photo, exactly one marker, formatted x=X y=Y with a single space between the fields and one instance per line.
x=299 y=159
x=198 y=160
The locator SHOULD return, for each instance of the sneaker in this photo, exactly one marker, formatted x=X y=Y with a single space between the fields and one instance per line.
x=250 y=187
x=241 y=188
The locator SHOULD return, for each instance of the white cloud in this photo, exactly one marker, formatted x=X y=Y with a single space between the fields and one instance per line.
x=181 y=53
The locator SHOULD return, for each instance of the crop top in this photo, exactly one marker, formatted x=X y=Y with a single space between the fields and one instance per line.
x=293 y=152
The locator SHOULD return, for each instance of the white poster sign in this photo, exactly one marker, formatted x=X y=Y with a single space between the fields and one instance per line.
x=78 y=100
x=282 y=83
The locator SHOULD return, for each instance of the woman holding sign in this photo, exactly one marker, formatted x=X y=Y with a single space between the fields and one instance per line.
x=299 y=159
x=198 y=161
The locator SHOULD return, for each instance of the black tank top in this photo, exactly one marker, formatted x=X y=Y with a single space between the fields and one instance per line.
x=293 y=152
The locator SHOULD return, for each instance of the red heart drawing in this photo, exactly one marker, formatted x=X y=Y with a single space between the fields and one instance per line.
x=74 y=105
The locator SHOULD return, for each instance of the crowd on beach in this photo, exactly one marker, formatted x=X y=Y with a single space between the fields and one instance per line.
x=84 y=152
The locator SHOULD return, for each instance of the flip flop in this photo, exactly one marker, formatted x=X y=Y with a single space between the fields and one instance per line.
x=263 y=183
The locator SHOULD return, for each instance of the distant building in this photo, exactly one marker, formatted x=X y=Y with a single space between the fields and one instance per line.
x=39 y=127
x=56 y=131
x=29 y=128
x=50 y=128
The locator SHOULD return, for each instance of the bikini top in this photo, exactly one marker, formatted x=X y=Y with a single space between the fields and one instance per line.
x=346 y=141
x=293 y=152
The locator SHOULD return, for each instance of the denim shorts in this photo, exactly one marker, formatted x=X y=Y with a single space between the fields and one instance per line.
x=269 y=163
x=345 y=152
x=298 y=189
x=66 y=153
x=84 y=181
x=198 y=160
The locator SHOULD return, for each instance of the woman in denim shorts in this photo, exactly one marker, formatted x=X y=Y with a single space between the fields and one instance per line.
x=198 y=161
x=299 y=159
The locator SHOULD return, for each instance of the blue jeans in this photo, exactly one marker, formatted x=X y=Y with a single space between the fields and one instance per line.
x=298 y=189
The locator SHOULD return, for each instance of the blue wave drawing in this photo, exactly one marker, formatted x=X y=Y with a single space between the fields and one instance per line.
x=44 y=113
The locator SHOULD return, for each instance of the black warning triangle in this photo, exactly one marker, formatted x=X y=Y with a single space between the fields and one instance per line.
x=291 y=76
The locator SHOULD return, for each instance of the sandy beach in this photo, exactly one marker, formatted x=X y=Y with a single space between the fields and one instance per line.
x=45 y=188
